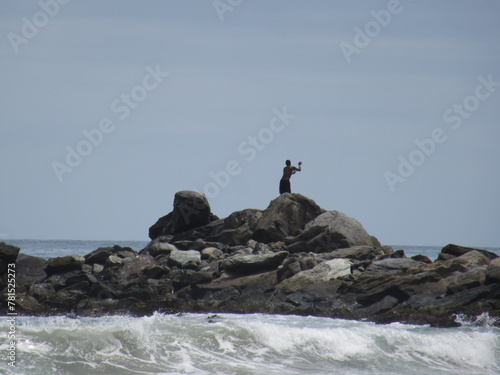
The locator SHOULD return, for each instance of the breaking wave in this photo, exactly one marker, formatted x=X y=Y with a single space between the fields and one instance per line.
x=247 y=344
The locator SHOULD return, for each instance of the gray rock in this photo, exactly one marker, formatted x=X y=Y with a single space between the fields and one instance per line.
x=8 y=253
x=101 y=255
x=30 y=269
x=182 y=278
x=236 y=229
x=28 y=304
x=156 y=272
x=286 y=216
x=114 y=261
x=391 y=266
x=162 y=227
x=323 y=272
x=327 y=270
x=182 y=258
x=191 y=210
x=64 y=264
x=452 y=250
x=355 y=252
x=329 y=231
x=290 y=267
x=246 y=264
x=97 y=268
x=42 y=291
x=211 y=253
x=493 y=272
x=466 y=280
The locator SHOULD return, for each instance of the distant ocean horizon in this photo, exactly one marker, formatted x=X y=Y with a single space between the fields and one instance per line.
x=56 y=248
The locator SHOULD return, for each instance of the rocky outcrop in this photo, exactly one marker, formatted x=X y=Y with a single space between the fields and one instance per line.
x=291 y=258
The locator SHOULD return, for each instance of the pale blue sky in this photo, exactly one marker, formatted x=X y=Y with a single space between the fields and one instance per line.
x=65 y=68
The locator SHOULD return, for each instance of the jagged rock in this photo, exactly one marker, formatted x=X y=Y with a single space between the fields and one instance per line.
x=237 y=228
x=309 y=261
x=99 y=256
x=64 y=264
x=114 y=261
x=234 y=230
x=290 y=267
x=30 y=269
x=493 y=271
x=391 y=266
x=467 y=280
x=42 y=291
x=323 y=272
x=102 y=254
x=28 y=304
x=253 y=263
x=452 y=251
x=182 y=278
x=184 y=258
x=161 y=227
x=197 y=244
x=422 y=258
x=211 y=253
x=97 y=268
x=8 y=253
x=191 y=210
x=286 y=216
x=67 y=298
x=79 y=277
x=159 y=246
x=156 y=272
x=328 y=270
x=329 y=231
x=355 y=252
x=100 y=291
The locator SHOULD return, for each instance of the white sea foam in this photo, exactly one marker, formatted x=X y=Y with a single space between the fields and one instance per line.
x=247 y=344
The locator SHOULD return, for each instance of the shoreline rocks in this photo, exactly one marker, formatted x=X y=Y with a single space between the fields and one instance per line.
x=291 y=258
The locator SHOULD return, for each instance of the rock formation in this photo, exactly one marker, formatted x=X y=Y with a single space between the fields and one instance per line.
x=291 y=258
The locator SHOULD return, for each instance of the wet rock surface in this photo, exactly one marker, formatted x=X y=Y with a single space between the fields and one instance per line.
x=291 y=258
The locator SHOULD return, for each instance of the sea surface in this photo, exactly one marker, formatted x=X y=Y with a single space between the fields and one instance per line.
x=239 y=344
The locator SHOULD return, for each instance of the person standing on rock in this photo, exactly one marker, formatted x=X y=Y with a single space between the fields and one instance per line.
x=287 y=173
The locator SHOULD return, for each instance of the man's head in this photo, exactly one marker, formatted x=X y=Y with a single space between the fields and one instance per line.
x=288 y=163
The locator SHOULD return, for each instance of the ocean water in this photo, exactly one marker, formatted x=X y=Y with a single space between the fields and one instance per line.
x=247 y=344
x=239 y=344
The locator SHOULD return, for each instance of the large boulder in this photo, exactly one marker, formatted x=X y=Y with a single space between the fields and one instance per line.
x=329 y=231
x=191 y=210
x=286 y=216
